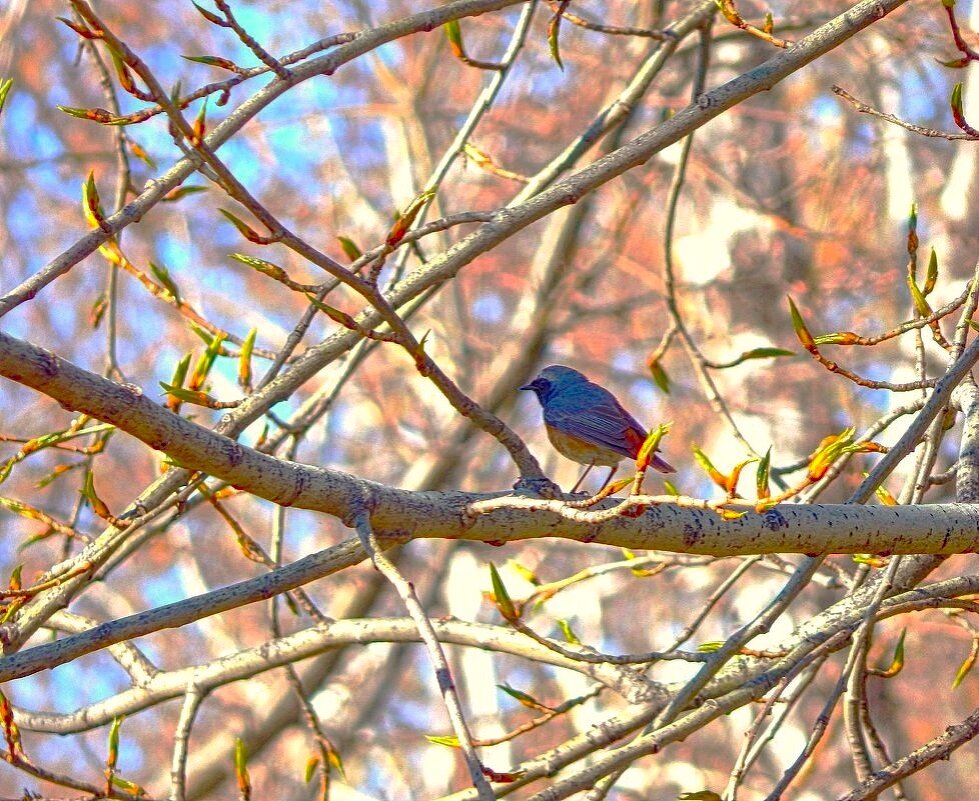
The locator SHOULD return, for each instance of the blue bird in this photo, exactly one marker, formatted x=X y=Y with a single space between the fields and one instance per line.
x=586 y=423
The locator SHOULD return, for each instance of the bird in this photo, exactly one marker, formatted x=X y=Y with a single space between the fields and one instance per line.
x=586 y=423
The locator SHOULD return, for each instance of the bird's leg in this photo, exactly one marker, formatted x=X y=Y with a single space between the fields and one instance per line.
x=574 y=489
x=608 y=478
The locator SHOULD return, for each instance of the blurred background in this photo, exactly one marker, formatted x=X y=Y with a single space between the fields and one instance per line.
x=790 y=193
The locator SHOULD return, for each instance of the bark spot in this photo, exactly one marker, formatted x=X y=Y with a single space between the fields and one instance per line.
x=774 y=520
x=692 y=535
x=235 y=454
x=299 y=486
x=48 y=364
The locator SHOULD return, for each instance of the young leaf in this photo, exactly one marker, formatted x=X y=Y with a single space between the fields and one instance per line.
x=97 y=311
x=4 y=90
x=93 y=114
x=210 y=17
x=705 y=463
x=350 y=249
x=502 y=777
x=476 y=156
x=404 y=219
x=648 y=448
x=454 y=34
x=524 y=572
x=113 y=755
x=619 y=484
x=204 y=364
x=194 y=396
x=199 y=127
x=659 y=376
x=732 y=514
x=799 y=326
x=243 y=228
x=215 y=61
x=81 y=30
x=765 y=353
x=761 y=476
x=94 y=501
x=503 y=601
x=137 y=150
x=553 y=27
x=11 y=732
x=523 y=698
x=839 y=338
x=245 y=360
x=449 y=740
x=264 y=267
x=91 y=203
x=966 y=667
x=955 y=63
x=336 y=763
x=128 y=787
x=567 y=633
x=920 y=304
x=336 y=315
x=175 y=96
x=885 y=497
x=956 y=101
x=241 y=769
x=913 y=233
x=735 y=475
x=931 y=277
x=828 y=451
x=122 y=72
x=897 y=661
x=181 y=192
x=163 y=276
x=756 y=353
x=180 y=371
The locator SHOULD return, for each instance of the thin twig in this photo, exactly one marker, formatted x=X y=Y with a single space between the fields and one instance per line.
x=863 y=108
x=443 y=675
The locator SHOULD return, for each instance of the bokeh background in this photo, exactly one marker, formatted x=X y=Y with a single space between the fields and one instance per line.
x=790 y=193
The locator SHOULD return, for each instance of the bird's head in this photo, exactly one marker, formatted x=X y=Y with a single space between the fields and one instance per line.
x=553 y=379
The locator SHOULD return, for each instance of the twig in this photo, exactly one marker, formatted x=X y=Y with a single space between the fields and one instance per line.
x=730 y=12
x=697 y=360
x=193 y=697
x=863 y=108
x=857 y=650
x=614 y=30
x=443 y=675
x=246 y=39
x=940 y=747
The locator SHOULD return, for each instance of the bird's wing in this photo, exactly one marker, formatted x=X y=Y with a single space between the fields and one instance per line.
x=603 y=423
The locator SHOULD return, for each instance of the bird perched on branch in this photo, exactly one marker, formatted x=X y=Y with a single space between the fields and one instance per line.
x=586 y=423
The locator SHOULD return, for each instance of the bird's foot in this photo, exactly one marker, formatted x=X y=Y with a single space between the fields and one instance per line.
x=537 y=486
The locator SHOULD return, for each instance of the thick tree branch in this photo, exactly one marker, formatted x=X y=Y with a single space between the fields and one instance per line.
x=402 y=515
x=316 y=639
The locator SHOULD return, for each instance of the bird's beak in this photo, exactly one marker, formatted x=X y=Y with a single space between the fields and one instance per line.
x=532 y=385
